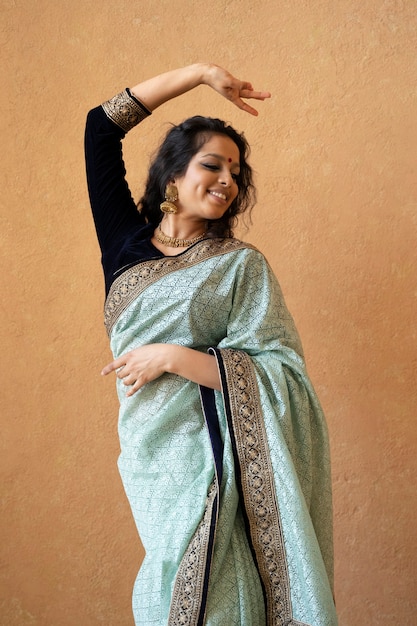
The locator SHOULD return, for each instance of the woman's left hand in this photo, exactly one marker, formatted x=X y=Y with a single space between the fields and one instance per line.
x=139 y=366
x=144 y=364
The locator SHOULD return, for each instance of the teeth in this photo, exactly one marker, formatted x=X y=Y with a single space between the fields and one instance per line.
x=219 y=195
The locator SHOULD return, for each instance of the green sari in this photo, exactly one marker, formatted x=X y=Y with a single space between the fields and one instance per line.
x=230 y=490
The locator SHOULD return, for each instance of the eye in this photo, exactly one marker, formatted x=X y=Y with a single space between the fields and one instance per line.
x=211 y=166
x=235 y=177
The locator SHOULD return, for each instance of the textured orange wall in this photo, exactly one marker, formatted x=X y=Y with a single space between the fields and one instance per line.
x=335 y=152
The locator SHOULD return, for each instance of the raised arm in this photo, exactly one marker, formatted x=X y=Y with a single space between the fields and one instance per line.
x=148 y=362
x=113 y=206
x=160 y=89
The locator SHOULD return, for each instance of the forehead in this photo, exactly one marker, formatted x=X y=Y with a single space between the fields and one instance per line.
x=222 y=145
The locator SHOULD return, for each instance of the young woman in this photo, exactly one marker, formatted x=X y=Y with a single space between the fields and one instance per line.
x=224 y=449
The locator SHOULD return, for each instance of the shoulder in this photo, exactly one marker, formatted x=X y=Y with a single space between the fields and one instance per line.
x=246 y=261
x=232 y=254
x=232 y=245
x=249 y=254
x=234 y=250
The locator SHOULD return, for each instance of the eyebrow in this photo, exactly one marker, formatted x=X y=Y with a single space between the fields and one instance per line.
x=221 y=158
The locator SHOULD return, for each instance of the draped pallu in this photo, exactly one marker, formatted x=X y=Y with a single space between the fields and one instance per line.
x=230 y=490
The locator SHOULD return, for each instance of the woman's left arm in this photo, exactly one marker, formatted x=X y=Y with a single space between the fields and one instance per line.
x=144 y=364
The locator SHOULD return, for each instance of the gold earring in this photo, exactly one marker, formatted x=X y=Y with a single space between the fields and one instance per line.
x=171 y=195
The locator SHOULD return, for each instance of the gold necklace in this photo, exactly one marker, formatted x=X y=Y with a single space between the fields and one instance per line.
x=174 y=242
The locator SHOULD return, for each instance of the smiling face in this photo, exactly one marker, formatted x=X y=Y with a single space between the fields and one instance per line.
x=208 y=187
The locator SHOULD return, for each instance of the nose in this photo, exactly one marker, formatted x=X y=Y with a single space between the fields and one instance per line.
x=225 y=178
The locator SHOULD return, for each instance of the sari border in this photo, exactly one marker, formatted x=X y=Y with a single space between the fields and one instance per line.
x=137 y=278
x=190 y=592
x=249 y=439
x=189 y=596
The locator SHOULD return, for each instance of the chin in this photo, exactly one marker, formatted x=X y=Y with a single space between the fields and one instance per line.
x=215 y=215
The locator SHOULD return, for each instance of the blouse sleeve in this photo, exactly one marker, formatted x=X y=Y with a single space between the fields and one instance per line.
x=114 y=210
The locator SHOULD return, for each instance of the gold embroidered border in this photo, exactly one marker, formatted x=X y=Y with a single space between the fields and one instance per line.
x=124 y=111
x=188 y=588
x=257 y=485
x=136 y=279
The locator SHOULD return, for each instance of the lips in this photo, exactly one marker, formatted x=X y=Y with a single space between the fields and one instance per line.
x=218 y=194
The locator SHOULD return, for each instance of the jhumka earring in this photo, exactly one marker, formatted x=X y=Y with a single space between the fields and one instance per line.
x=171 y=194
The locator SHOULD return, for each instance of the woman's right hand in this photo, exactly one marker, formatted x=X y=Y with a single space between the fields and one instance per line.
x=232 y=88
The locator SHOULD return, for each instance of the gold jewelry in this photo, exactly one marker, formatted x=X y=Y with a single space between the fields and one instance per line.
x=171 y=195
x=174 y=242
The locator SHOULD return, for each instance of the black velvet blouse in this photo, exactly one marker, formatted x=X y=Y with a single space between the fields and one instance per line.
x=123 y=235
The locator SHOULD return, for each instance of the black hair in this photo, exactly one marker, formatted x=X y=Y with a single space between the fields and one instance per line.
x=181 y=143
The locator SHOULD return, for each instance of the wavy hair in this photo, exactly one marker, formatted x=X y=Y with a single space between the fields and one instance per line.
x=181 y=143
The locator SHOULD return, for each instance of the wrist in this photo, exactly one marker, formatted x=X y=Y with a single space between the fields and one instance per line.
x=172 y=358
x=205 y=72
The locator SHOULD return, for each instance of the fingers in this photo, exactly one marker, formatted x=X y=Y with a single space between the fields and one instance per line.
x=256 y=95
x=133 y=389
x=135 y=381
x=129 y=379
x=123 y=372
x=119 y=366
x=245 y=106
x=244 y=85
x=111 y=367
x=127 y=373
x=247 y=92
x=234 y=89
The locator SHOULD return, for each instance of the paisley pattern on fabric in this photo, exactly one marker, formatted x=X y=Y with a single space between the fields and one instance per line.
x=259 y=553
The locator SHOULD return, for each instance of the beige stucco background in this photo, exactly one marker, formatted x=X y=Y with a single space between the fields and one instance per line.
x=335 y=156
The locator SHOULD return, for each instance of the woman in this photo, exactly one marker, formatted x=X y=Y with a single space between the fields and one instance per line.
x=224 y=452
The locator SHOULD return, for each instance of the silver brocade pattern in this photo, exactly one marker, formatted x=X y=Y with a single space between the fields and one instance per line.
x=223 y=294
x=137 y=278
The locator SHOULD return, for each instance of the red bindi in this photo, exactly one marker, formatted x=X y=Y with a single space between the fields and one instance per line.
x=229 y=159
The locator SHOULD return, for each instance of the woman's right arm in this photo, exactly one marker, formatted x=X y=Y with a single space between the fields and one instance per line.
x=160 y=89
x=114 y=209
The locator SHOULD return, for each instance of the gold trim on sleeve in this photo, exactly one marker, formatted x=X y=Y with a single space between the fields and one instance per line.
x=125 y=111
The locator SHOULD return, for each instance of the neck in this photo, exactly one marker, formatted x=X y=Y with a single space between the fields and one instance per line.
x=176 y=242
x=177 y=228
